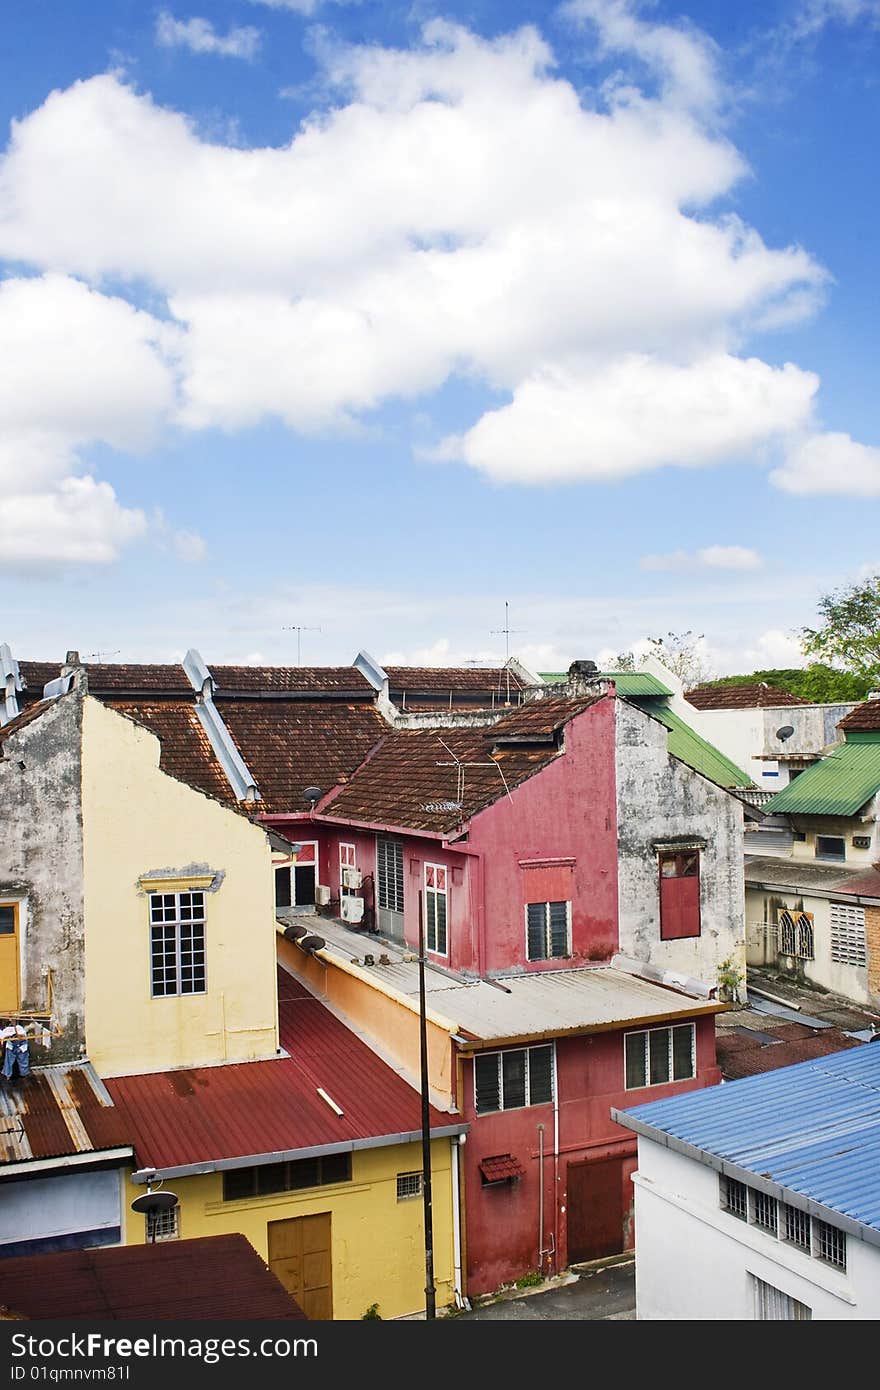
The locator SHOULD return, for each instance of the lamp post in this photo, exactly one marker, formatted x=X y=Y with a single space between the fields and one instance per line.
x=430 y=1292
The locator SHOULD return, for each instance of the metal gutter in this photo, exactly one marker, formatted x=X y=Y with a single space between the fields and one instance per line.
x=76 y=1160
x=238 y=774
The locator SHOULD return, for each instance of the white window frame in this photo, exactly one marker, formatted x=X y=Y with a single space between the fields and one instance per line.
x=399 y=893
x=670 y=1080
x=409 y=1186
x=546 y=905
x=526 y=1082
x=436 y=892
x=849 y=943
x=291 y=863
x=346 y=863
x=773 y=1305
x=177 y=922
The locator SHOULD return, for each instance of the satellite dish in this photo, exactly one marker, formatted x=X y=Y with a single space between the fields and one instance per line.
x=313 y=794
x=151 y=1202
x=785 y=732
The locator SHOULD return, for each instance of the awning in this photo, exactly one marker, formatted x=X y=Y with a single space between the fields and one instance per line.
x=501 y=1168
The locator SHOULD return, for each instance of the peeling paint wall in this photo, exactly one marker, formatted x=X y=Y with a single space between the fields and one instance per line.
x=660 y=798
x=41 y=865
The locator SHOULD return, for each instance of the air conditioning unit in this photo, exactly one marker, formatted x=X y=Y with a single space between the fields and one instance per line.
x=351 y=878
x=322 y=895
x=352 y=909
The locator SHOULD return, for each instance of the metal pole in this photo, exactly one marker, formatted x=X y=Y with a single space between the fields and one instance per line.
x=430 y=1296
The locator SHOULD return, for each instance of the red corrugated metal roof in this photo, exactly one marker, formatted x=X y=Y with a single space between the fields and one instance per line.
x=57 y=1111
x=203 y=1115
x=210 y=1277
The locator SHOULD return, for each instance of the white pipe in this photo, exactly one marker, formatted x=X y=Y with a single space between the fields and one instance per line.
x=555 y=1163
x=456 y=1226
x=540 y=1199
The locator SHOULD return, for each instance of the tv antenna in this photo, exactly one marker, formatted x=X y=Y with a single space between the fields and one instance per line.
x=299 y=629
x=99 y=656
x=460 y=773
x=506 y=630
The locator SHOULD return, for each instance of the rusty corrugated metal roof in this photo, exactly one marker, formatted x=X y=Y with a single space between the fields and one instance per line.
x=57 y=1111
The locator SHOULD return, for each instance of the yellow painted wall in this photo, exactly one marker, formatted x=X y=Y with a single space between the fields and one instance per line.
x=378 y=1250
x=392 y=1022
x=137 y=819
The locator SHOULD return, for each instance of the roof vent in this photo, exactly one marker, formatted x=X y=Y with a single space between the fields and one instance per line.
x=72 y=658
x=10 y=684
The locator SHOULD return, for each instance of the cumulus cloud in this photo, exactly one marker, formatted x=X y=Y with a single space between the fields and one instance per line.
x=189 y=546
x=711 y=557
x=79 y=522
x=303 y=7
x=200 y=36
x=814 y=15
x=455 y=209
x=830 y=463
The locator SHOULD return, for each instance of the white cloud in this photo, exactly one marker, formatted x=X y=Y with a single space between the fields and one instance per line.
x=303 y=7
x=719 y=557
x=814 y=15
x=79 y=522
x=200 y=36
x=830 y=463
x=774 y=648
x=457 y=210
x=189 y=547
x=632 y=415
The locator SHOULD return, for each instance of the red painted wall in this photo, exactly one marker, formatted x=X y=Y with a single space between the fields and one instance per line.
x=502 y=1222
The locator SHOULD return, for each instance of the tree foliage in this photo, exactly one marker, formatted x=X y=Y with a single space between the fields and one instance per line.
x=849 y=634
x=818 y=683
x=682 y=654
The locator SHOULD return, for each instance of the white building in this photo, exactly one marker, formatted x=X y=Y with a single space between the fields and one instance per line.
x=760 y=1198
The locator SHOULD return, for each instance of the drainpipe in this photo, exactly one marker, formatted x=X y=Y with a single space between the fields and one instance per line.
x=460 y=1300
x=540 y=1199
x=555 y=1163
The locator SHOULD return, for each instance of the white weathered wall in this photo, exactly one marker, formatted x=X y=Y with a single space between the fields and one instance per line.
x=693 y=1259
x=660 y=798
x=41 y=1209
x=762 y=907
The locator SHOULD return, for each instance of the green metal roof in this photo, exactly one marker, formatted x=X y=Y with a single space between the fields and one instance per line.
x=627 y=682
x=837 y=786
x=687 y=745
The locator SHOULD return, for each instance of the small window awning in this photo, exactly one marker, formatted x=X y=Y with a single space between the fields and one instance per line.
x=501 y=1168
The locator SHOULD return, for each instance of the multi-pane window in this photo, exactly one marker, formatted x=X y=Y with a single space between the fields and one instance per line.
x=772 y=1305
x=435 y=908
x=848 y=944
x=679 y=894
x=796 y=934
x=654 y=1056
x=547 y=930
x=815 y=1237
x=509 y=1080
x=389 y=874
x=177 y=943
x=347 y=870
x=408 y=1185
x=267 y=1178
x=163 y=1225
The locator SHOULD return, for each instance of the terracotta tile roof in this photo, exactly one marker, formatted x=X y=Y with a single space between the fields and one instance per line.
x=203 y=1115
x=27 y=716
x=863 y=717
x=756 y=696
x=56 y=1111
x=211 y=1277
x=107 y=678
x=740 y=1056
x=289 y=747
x=278 y=679
x=185 y=750
x=501 y=1168
x=452 y=687
x=412 y=778
x=34 y=675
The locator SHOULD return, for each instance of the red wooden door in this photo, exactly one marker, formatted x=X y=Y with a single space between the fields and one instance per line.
x=595 y=1209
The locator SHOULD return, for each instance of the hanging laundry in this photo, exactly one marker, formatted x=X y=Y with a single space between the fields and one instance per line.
x=16 y=1057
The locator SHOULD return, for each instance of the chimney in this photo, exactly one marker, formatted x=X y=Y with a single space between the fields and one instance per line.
x=71 y=663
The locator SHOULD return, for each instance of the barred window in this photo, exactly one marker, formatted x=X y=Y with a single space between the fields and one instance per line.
x=830 y=1244
x=797 y=1226
x=389 y=874
x=816 y=1238
x=408 y=1185
x=735 y=1198
x=654 y=1056
x=765 y=1212
x=177 y=943
x=163 y=1225
x=796 y=934
x=512 y=1079
x=848 y=944
x=547 y=930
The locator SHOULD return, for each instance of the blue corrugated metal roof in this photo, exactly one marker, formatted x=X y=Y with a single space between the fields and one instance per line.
x=813 y=1128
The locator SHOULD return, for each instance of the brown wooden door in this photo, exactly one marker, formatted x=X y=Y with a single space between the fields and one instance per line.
x=595 y=1209
x=299 y=1255
x=10 y=997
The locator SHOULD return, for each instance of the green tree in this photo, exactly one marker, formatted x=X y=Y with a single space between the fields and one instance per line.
x=849 y=634
x=818 y=683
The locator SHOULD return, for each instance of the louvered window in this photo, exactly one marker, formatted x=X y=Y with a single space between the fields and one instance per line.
x=848 y=945
x=655 y=1056
x=389 y=874
x=435 y=908
x=512 y=1079
x=547 y=930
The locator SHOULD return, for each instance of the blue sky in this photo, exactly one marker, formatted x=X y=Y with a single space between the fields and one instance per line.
x=370 y=318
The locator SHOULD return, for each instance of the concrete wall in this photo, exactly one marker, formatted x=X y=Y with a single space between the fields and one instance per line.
x=41 y=865
x=377 y=1242
x=65 y=1211
x=660 y=799
x=140 y=823
x=693 y=1259
x=762 y=910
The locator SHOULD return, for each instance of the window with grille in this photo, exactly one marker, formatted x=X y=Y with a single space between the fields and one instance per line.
x=435 y=908
x=389 y=874
x=735 y=1198
x=509 y=1080
x=796 y=1226
x=548 y=930
x=408 y=1185
x=163 y=1225
x=266 y=1178
x=830 y=1244
x=772 y=1305
x=655 y=1056
x=848 y=944
x=765 y=1212
x=177 y=943
x=796 y=934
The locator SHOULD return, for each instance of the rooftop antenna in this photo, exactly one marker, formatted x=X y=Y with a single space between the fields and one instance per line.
x=99 y=656
x=506 y=630
x=299 y=629
x=459 y=771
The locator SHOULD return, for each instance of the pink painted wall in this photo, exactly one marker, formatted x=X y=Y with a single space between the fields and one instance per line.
x=502 y=1222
